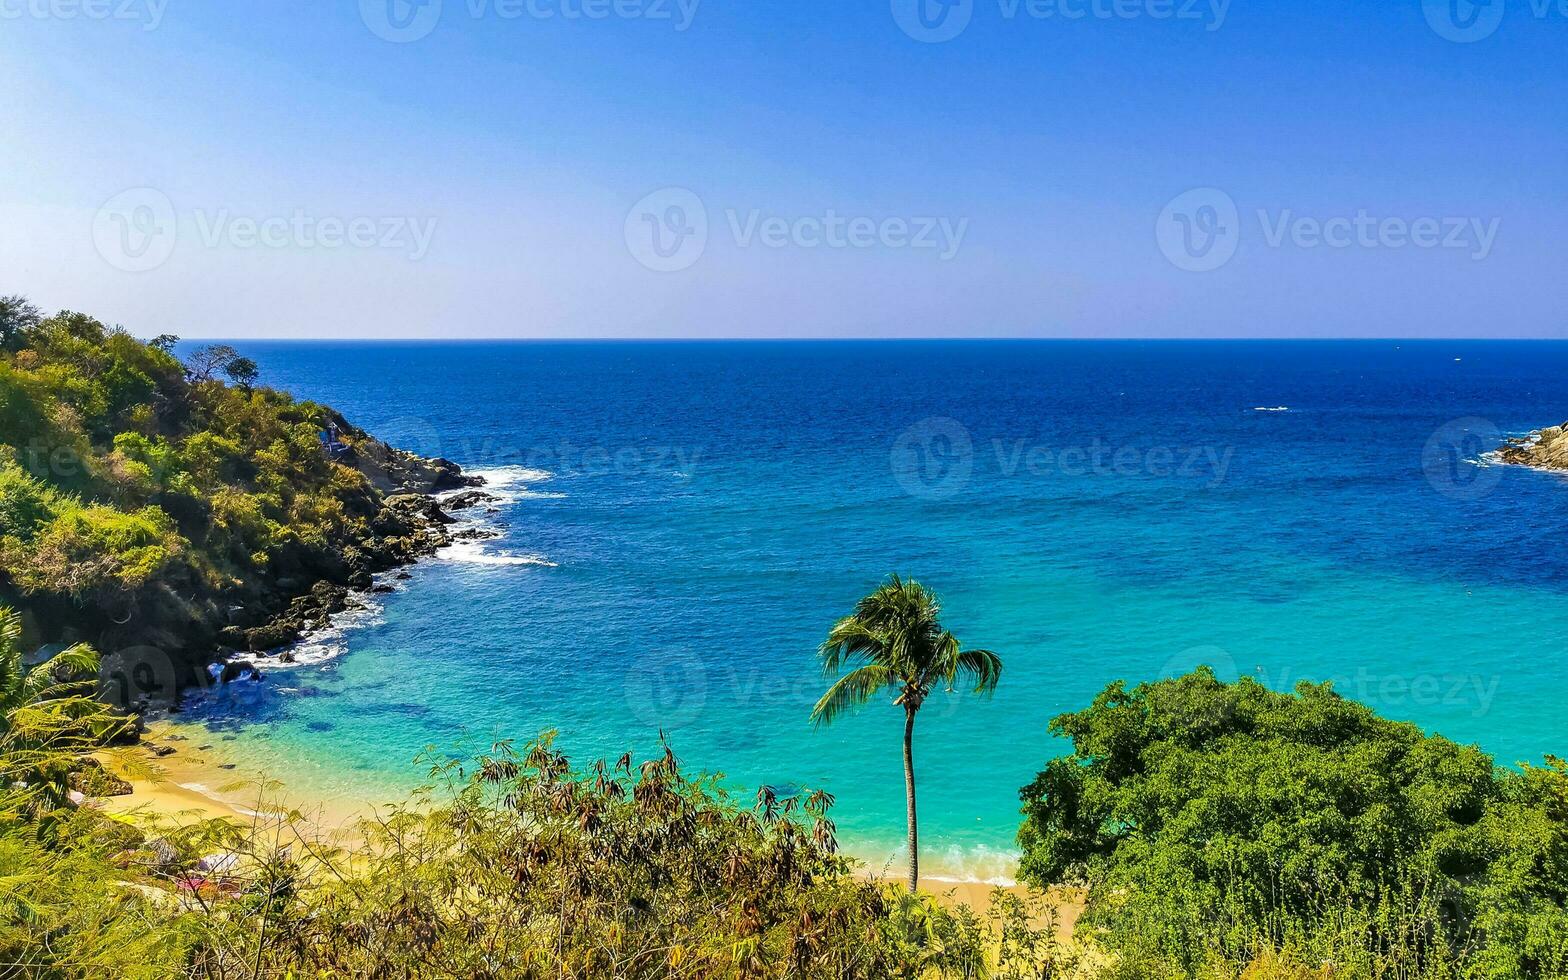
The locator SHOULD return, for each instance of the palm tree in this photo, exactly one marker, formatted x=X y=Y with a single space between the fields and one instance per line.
x=898 y=643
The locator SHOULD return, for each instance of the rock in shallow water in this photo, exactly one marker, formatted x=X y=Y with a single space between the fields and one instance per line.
x=1547 y=449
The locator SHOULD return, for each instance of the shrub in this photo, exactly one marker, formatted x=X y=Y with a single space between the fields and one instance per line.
x=1231 y=819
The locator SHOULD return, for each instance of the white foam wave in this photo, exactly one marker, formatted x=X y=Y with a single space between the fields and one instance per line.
x=975 y=864
x=207 y=792
x=1276 y=408
x=971 y=865
x=324 y=646
x=505 y=482
x=508 y=485
x=474 y=553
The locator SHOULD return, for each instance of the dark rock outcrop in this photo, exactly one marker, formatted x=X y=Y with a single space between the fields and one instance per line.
x=392 y=470
x=467 y=499
x=91 y=779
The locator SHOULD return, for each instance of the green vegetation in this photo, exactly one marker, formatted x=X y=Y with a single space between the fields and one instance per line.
x=896 y=637
x=1221 y=831
x=1219 y=823
x=48 y=720
x=517 y=866
x=144 y=502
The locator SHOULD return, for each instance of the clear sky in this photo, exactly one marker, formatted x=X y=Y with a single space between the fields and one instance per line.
x=827 y=168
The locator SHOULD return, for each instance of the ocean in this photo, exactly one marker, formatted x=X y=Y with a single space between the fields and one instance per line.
x=681 y=523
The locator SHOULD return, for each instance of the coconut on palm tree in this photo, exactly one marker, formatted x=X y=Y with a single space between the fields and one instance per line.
x=894 y=642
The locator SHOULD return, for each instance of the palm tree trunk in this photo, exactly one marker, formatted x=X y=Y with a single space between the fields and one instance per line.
x=909 y=788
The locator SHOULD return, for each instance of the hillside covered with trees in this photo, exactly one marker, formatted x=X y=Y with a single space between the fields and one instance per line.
x=179 y=508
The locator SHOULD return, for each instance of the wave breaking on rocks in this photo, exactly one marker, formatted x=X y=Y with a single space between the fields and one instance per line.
x=1544 y=449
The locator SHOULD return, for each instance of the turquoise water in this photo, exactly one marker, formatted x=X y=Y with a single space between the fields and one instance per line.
x=682 y=523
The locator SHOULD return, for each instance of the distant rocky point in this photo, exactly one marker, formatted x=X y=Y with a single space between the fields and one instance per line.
x=1546 y=449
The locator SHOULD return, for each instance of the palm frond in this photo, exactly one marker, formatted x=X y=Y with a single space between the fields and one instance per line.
x=851 y=691
x=10 y=628
x=79 y=659
x=851 y=638
x=131 y=765
x=984 y=666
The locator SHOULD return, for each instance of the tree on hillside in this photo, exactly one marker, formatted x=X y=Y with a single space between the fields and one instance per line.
x=16 y=315
x=243 y=372
x=896 y=639
x=209 y=362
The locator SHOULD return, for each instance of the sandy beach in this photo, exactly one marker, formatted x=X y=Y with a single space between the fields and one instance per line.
x=198 y=781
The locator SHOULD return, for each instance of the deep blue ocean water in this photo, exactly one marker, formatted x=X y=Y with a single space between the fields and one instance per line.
x=684 y=521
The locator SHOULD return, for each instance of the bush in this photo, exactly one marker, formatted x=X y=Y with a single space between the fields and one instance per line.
x=1226 y=818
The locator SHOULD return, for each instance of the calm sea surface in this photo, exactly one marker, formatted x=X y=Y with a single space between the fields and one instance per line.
x=683 y=521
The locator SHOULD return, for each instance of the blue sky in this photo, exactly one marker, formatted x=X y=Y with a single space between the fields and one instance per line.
x=676 y=168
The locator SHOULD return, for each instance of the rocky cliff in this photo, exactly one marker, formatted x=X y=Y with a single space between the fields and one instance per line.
x=1546 y=449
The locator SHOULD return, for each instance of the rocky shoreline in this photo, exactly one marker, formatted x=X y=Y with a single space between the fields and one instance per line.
x=404 y=521
x=1545 y=449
